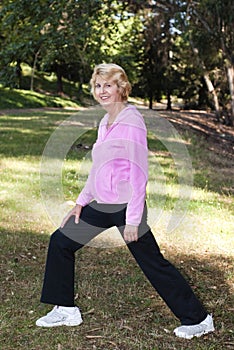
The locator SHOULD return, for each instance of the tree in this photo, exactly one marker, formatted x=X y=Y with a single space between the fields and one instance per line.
x=213 y=20
x=159 y=75
x=168 y=47
x=58 y=36
x=20 y=27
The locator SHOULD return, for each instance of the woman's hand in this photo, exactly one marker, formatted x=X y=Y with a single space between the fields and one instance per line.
x=130 y=233
x=73 y=212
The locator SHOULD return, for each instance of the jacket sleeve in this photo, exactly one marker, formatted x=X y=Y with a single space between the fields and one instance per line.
x=138 y=177
x=86 y=195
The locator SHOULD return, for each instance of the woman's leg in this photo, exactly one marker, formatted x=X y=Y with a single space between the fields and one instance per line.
x=167 y=280
x=164 y=277
x=58 y=286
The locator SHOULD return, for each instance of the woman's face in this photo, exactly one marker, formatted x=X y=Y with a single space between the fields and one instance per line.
x=106 y=92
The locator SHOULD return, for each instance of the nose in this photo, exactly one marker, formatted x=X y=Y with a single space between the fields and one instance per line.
x=103 y=89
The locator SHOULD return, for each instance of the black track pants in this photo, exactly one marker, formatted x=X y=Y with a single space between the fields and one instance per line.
x=58 y=287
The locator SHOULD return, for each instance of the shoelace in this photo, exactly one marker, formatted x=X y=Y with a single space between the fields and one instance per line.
x=55 y=315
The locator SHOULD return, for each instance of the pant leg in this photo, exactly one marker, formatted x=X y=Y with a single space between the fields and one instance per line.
x=58 y=286
x=164 y=277
x=167 y=280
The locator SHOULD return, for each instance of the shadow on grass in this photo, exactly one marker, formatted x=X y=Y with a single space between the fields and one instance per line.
x=20 y=134
x=120 y=308
x=14 y=98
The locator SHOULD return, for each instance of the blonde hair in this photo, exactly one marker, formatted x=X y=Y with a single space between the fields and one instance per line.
x=111 y=71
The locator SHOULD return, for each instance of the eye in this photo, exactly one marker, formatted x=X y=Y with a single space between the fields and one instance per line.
x=97 y=86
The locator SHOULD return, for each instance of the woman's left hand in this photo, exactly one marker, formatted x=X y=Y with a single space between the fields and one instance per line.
x=130 y=233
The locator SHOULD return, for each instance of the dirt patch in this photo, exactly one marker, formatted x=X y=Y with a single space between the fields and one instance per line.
x=219 y=137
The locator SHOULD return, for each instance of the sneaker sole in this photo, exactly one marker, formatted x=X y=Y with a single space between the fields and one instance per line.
x=58 y=324
x=182 y=335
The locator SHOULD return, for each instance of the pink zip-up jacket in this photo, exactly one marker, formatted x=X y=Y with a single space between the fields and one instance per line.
x=119 y=172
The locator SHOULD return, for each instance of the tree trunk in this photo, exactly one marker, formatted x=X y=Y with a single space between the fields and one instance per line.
x=59 y=81
x=229 y=60
x=209 y=83
x=19 y=74
x=212 y=91
x=169 y=108
x=230 y=75
x=150 y=101
x=33 y=70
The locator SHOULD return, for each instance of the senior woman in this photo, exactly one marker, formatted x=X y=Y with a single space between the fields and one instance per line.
x=114 y=195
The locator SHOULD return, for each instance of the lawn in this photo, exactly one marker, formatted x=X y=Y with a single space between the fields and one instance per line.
x=45 y=159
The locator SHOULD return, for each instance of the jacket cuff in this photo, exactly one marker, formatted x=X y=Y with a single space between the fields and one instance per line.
x=132 y=223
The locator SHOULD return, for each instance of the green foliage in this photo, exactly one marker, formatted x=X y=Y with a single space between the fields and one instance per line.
x=151 y=39
x=211 y=31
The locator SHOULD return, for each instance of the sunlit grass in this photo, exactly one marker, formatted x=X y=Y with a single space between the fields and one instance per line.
x=209 y=212
x=208 y=215
x=132 y=316
x=15 y=98
x=207 y=218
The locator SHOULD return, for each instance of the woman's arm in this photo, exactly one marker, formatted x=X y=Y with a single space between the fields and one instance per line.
x=85 y=195
x=138 y=158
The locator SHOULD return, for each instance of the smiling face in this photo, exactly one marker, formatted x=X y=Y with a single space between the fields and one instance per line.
x=109 y=84
x=106 y=92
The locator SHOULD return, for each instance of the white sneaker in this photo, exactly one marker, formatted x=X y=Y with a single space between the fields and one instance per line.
x=188 y=332
x=61 y=316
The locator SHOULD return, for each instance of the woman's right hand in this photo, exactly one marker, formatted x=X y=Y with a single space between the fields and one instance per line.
x=73 y=212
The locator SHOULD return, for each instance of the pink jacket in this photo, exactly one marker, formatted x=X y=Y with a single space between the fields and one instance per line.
x=119 y=170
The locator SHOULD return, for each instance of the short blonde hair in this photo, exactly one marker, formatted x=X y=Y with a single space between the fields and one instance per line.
x=111 y=71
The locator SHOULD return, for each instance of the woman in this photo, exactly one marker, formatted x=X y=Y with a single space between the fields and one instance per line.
x=114 y=195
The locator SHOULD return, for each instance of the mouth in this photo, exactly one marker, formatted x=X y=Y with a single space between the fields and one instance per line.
x=104 y=98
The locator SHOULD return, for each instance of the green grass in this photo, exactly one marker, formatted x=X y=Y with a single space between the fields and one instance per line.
x=44 y=92
x=121 y=310
x=16 y=98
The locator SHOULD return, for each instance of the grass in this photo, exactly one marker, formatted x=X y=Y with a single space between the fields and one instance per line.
x=44 y=92
x=121 y=310
x=16 y=98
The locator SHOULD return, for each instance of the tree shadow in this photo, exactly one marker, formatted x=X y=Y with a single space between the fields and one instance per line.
x=114 y=296
x=19 y=135
x=206 y=126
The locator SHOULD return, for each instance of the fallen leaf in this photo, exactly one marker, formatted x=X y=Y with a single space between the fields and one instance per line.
x=88 y=312
x=127 y=327
x=166 y=330
x=94 y=336
x=94 y=329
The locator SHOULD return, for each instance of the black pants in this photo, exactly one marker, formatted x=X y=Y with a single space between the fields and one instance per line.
x=58 y=287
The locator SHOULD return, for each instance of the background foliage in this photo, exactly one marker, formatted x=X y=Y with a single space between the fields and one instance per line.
x=183 y=49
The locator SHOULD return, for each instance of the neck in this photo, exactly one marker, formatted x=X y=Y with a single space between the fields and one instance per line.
x=114 y=110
